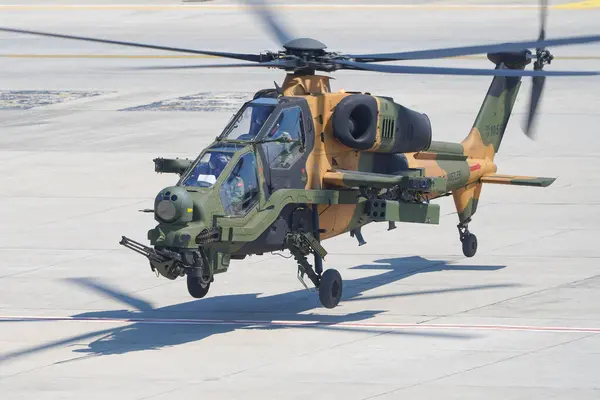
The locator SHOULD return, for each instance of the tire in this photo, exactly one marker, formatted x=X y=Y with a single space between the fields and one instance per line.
x=330 y=288
x=196 y=289
x=469 y=245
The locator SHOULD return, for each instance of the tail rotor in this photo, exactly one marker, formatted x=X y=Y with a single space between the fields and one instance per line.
x=543 y=57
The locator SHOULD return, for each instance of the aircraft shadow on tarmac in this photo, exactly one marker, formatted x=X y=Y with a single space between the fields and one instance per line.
x=154 y=331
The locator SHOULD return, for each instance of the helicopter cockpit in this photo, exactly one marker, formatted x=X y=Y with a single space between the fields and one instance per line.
x=250 y=119
x=275 y=132
x=208 y=169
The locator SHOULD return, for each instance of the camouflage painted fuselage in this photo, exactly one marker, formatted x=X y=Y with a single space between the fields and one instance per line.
x=335 y=188
x=461 y=165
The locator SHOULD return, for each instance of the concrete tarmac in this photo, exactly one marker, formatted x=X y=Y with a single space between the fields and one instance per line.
x=82 y=317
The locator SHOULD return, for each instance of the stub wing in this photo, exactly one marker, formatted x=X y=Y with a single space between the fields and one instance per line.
x=412 y=180
x=518 y=180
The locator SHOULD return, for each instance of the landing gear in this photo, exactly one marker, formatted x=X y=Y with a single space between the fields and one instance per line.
x=469 y=245
x=329 y=284
x=330 y=288
x=469 y=241
x=197 y=288
x=200 y=276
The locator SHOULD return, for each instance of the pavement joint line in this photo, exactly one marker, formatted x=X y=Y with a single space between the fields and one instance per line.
x=515 y=297
x=3 y=358
x=75 y=217
x=302 y=323
x=305 y=354
x=326 y=348
x=508 y=299
x=54 y=264
x=512 y=357
x=559 y=232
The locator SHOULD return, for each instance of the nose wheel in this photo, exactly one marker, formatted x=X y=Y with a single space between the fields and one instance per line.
x=197 y=288
x=199 y=278
x=469 y=241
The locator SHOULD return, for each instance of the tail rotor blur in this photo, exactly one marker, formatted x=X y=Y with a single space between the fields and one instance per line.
x=543 y=57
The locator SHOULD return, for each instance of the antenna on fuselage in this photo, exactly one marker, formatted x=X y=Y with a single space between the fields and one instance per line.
x=278 y=89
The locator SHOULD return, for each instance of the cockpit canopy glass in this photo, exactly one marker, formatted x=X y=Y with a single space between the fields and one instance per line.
x=250 y=119
x=208 y=169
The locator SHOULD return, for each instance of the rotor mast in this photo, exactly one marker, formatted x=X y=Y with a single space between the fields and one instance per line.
x=303 y=85
x=303 y=81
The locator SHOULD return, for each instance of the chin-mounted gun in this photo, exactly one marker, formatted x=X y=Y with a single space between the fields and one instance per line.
x=166 y=262
x=150 y=253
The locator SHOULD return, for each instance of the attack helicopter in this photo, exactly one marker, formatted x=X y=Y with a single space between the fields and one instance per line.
x=299 y=163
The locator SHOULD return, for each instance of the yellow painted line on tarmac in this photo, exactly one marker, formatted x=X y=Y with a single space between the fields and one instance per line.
x=579 y=5
x=201 y=56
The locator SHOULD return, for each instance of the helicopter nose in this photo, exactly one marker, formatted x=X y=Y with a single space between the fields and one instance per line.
x=173 y=204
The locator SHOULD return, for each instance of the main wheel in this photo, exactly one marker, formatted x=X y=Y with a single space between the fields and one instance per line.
x=469 y=245
x=196 y=288
x=330 y=288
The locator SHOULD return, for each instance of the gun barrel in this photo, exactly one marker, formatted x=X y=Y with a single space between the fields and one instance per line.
x=142 y=249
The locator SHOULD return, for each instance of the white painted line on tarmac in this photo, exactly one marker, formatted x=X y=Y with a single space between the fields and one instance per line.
x=300 y=323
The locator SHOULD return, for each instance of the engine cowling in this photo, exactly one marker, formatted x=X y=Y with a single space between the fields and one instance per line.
x=377 y=124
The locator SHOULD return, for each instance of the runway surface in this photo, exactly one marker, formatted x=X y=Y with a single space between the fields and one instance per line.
x=82 y=317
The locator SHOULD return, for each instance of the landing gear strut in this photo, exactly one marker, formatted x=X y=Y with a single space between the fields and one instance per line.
x=329 y=284
x=469 y=241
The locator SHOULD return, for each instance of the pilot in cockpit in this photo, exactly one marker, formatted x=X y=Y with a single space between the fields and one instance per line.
x=259 y=117
x=205 y=174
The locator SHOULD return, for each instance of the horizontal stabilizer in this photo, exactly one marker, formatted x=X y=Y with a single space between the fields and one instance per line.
x=535 y=181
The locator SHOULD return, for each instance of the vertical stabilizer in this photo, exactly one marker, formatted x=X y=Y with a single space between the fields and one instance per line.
x=488 y=130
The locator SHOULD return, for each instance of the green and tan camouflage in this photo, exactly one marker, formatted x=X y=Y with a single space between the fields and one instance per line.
x=351 y=159
x=300 y=164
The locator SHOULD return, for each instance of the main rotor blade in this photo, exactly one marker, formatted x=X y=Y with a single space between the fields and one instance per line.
x=405 y=69
x=470 y=50
x=268 y=64
x=536 y=93
x=237 y=56
x=267 y=15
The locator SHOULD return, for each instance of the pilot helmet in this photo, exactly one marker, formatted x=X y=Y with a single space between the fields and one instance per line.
x=218 y=161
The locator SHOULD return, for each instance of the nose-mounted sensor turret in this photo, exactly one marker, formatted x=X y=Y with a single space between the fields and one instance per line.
x=173 y=204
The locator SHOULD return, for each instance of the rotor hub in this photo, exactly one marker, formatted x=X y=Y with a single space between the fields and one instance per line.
x=305 y=44
x=304 y=56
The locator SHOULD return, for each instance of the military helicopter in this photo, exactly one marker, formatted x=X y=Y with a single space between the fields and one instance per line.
x=299 y=164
